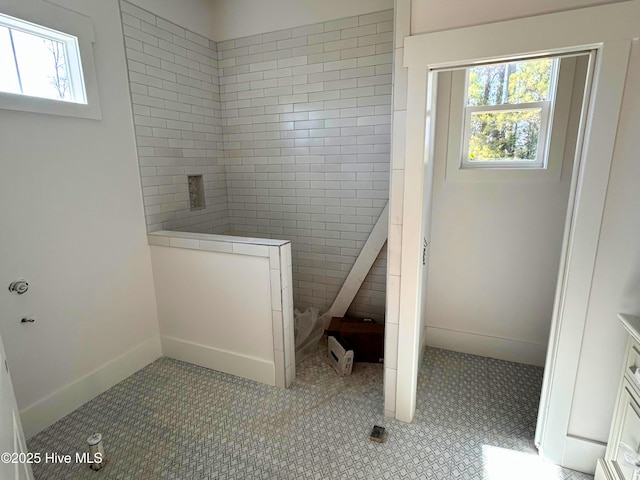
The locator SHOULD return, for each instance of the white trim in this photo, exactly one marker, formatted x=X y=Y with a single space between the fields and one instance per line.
x=9 y=410
x=55 y=17
x=566 y=240
x=420 y=81
x=45 y=412
x=608 y=30
x=564 y=32
x=579 y=257
x=487 y=346
x=243 y=366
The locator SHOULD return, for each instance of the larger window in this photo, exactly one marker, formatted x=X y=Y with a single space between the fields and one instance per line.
x=507 y=114
x=39 y=62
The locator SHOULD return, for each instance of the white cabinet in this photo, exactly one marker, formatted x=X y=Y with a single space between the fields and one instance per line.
x=625 y=428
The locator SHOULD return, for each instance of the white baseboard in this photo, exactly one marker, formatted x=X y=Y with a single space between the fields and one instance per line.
x=582 y=454
x=45 y=412
x=243 y=366
x=485 y=346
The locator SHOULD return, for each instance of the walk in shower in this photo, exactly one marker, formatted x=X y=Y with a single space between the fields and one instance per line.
x=279 y=140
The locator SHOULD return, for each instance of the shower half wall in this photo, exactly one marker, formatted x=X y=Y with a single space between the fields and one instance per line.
x=290 y=131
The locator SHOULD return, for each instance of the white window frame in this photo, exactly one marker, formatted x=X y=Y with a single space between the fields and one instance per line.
x=71 y=51
x=546 y=122
x=47 y=19
x=500 y=172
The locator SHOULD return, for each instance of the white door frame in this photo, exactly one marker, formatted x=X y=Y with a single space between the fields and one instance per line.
x=608 y=30
x=11 y=434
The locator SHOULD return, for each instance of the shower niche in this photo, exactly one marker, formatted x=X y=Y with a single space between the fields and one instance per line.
x=196 y=192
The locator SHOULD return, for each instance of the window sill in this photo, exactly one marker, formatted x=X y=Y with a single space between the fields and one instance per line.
x=24 y=103
x=498 y=175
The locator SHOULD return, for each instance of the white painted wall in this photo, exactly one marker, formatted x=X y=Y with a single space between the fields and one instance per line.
x=616 y=283
x=435 y=15
x=496 y=247
x=241 y=18
x=215 y=310
x=194 y=15
x=73 y=225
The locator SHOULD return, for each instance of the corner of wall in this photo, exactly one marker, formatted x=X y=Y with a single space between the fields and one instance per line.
x=53 y=407
x=402 y=22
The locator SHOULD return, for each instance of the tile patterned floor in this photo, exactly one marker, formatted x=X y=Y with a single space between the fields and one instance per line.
x=171 y=420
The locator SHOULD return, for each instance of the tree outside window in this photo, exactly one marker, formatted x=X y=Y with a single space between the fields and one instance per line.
x=507 y=113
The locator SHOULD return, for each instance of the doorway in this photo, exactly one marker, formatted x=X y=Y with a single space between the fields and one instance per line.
x=608 y=30
x=505 y=142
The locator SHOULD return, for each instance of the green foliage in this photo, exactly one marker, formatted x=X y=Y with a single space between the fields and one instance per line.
x=507 y=134
x=504 y=135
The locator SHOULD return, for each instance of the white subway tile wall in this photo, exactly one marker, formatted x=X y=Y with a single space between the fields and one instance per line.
x=175 y=93
x=306 y=123
x=305 y=118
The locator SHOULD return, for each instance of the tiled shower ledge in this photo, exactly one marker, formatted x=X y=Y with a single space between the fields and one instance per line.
x=214 y=243
x=279 y=254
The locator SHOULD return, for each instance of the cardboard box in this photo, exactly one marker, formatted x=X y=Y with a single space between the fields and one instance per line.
x=365 y=338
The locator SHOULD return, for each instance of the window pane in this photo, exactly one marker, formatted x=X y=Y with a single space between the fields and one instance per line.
x=43 y=66
x=510 y=83
x=507 y=135
x=8 y=77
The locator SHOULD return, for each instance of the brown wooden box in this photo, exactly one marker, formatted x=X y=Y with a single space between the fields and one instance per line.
x=365 y=338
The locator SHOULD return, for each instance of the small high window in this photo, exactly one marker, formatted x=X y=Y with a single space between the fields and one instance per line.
x=507 y=114
x=39 y=62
